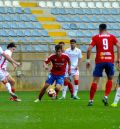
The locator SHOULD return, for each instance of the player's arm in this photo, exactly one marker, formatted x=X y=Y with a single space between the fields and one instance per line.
x=46 y=62
x=79 y=59
x=11 y=60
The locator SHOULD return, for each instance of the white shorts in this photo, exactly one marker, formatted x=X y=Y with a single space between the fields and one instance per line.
x=3 y=74
x=73 y=72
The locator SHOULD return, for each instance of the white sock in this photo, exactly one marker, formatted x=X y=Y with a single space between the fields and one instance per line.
x=8 y=86
x=75 y=90
x=117 y=96
x=64 y=90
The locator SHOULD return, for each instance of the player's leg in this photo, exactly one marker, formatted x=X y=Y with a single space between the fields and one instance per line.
x=97 y=73
x=117 y=96
x=109 y=69
x=70 y=86
x=75 y=75
x=48 y=82
x=64 y=88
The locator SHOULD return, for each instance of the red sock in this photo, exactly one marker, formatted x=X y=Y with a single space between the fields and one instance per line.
x=70 y=86
x=93 y=90
x=108 y=87
x=13 y=89
x=56 y=92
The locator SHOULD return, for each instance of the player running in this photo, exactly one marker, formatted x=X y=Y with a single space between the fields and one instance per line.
x=104 y=43
x=59 y=61
x=75 y=56
x=3 y=77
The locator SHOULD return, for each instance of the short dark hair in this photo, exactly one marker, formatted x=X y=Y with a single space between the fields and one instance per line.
x=11 y=45
x=72 y=41
x=61 y=43
x=58 y=47
x=102 y=27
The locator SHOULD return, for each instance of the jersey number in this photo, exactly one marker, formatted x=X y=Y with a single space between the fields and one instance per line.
x=105 y=44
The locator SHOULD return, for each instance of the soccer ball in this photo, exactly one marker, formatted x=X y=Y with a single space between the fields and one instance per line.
x=51 y=93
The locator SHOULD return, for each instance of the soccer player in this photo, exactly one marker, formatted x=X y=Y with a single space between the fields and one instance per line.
x=67 y=81
x=59 y=61
x=117 y=96
x=104 y=43
x=4 y=63
x=3 y=77
x=75 y=55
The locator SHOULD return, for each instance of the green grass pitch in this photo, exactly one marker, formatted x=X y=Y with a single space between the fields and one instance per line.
x=57 y=114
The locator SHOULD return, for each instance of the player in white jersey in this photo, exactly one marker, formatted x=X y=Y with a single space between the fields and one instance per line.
x=75 y=55
x=4 y=75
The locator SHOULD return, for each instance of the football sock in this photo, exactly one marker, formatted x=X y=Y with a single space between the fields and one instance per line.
x=117 y=96
x=42 y=92
x=93 y=90
x=70 y=86
x=64 y=90
x=13 y=89
x=75 y=87
x=108 y=87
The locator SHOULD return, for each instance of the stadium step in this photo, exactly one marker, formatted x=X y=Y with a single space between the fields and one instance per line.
x=42 y=19
x=56 y=41
x=51 y=26
x=28 y=4
x=37 y=11
x=59 y=34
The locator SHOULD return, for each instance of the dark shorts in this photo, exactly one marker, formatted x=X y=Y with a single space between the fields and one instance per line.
x=108 y=67
x=59 y=79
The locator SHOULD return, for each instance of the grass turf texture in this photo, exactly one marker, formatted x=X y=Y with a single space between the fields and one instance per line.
x=57 y=114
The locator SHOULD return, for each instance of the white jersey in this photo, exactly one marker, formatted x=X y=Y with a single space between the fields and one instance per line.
x=1 y=51
x=74 y=55
x=3 y=60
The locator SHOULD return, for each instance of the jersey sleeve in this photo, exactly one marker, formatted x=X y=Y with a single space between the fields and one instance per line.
x=1 y=51
x=115 y=40
x=93 y=42
x=8 y=53
x=80 y=54
x=48 y=60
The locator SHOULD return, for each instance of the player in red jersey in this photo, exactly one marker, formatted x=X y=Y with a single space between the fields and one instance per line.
x=59 y=61
x=67 y=81
x=104 y=43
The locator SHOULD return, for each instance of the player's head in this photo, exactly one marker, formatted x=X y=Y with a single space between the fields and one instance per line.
x=102 y=27
x=73 y=43
x=11 y=46
x=58 y=49
x=61 y=44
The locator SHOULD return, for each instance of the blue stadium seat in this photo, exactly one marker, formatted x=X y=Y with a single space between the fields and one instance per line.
x=72 y=33
x=25 y=18
x=2 y=18
x=5 y=25
x=117 y=19
x=36 y=33
x=102 y=19
x=60 y=18
x=54 y=11
x=91 y=26
x=19 y=33
x=38 y=25
x=3 y=33
x=18 y=10
x=77 y=19
x=106 y=12
x=28 y=48
x=83 y=48
x=44 y=33
x=88 y=11
x=12 y=33
x=37 y=48
x=88 y=34
x=83 y=26
x=115 y=11
x=62 y=11
x=27 y=33
x=32 y=18
x=66 y=26
x=94 y=19
x=73 y=26
x=29 y=25
x=10 y=10
x=27 y=11
x=14 y=25
x=111 y=19
x=8 y=18
x=2 y=10
x=22 y=25
x=71 y=11
x=79 y=11
x=80 y=34
x=16 y=18
x=85 y=19
x=96 y=11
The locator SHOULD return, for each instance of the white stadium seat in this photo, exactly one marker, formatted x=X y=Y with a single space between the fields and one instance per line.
x=66 y=5
x=91 y=4
x=107 y=5
x=115 y=5
x=74 y=4
x=1 y=3
x=58 y=4
x=50 y=4
x=42 y=4
x=8 y=3
x=83 y=5
x=99 y=5
x=16 y=4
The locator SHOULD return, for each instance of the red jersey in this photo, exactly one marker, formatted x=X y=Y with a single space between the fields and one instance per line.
x=104 y=47
x=58 y=63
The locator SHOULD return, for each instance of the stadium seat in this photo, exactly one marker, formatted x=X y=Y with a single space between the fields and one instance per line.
x=16 y=18
x=83 y=48
x=25 y=18
x=36 y=33
x=77 y=19
x=44 y=33
x=8 y=3
x=42 y=4
x=85 y=19
x=88 y=11
x=1 y=4
x=12 y=33
x=72 y=33
x=79 y=34
x=50 y=4
x=27 y=11
x=38 y=25
x=58 y=4
x=79 y=11
x=8 y=18
x=99 y=5
x=19 y=33
x=96 y=11
x=5 y=25
x=83 y=26
x=10 y=10
x=66 y=4
x=115 y=11
x=83 y=5
x=115 y=5
x=14 y=25
x=27 y=33
x=29 y=25
x=66 y=26
x=106 y=11
x=3 y=33
x=32 y=18
x=91 y=26
x=2 y=10
x=91 y=4
x=71 y=11
x=16 y=4
x=74 y=5
x=73 y=26
x=18 y=10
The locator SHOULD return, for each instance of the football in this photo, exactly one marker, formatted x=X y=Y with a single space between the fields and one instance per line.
x=51 y=93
